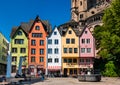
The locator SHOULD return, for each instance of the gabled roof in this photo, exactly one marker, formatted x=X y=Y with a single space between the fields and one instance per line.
x=71 y=23
x=14 y=30
x=84 y=30
x=27 y=26
x=76 y=31
x=64 y=27
x=45 y=24
x=53 y=31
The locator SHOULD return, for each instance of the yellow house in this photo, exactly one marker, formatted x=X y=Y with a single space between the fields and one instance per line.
x=70 y=51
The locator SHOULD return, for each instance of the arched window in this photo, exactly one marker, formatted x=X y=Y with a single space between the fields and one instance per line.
x=19 y=33
x=37 y=28
x=80 y=3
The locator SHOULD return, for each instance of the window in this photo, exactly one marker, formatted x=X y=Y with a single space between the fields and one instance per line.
x=37 y=35
x=73 y=41
x=41 y=51
x=37 y=28
x=88 y=60
x=41 y=59
x=55 y=33
x=49 y=60
x=69 y=32
x=56 y=41
x=88 y=41
x=19 y=41
x=33 y=59
x=83 y=41
x=50 y=41
x=33 y=42
x=14 y=50
x=85 y=32
x=69 y=60
x=3 y=49
x=49 y=50
x=75 y=50
x=13 y=68
x=19 y=33
x=81 y=16
x=14 y=58
x=81 y=60
x=80 y=3
x=74 y=60
x=56 y=51
x=22 y=50
x=70 y=50
x=3 y=58
x=41 y=42
x=65 y=50
x=67 y=41
x=56 y=60
x=88 y=50
x=33 y=51
x=65 y=60
x=82 y=50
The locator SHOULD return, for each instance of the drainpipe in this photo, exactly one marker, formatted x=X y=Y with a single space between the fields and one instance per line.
x=46 y=71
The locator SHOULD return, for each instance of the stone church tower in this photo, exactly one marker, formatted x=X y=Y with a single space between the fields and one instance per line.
x=79 y=8
x=88 y=12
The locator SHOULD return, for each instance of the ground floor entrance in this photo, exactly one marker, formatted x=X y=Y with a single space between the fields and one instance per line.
x=54 y=73
x=2 y=69
x=70 y=72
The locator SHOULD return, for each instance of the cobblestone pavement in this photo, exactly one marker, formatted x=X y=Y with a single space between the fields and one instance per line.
x=74 y=81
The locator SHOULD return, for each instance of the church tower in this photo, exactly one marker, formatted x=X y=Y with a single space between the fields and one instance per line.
x=79 y=8
x=88 y=11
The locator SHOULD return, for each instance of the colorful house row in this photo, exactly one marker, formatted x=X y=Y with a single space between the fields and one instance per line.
x=62 y=51
x=4 y=47
x=29 y=41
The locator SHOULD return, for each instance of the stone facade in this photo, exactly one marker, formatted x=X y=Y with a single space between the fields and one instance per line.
x=88 y=12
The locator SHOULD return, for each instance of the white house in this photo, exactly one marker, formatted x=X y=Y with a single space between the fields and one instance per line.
x=54 y=53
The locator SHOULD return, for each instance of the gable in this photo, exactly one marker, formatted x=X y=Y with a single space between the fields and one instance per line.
x=70 y=33
x=37 y=28
x=55 y=33
x=86 y=33
x=19 y=33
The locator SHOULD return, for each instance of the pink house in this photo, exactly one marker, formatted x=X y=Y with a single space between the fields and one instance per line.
x=87 y=50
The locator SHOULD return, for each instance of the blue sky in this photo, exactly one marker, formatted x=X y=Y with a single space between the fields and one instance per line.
x=13 y=12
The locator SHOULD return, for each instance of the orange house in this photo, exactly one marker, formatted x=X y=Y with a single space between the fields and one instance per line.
x=37 y=45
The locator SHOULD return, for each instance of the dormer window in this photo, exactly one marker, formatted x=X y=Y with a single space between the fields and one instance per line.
x=19 y=33
x=37 y=28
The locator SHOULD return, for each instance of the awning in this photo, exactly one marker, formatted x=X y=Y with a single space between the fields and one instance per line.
x=54 y=67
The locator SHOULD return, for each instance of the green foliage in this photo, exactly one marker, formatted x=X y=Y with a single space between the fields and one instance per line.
x=108 y=39
x=110 y=70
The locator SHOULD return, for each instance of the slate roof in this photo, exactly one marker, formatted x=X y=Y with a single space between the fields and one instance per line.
x=73 y=24
x=27 y=26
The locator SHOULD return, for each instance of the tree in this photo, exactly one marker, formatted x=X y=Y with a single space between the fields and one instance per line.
x=108 y=35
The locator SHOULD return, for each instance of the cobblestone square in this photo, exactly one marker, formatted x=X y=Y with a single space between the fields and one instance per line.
x=74 y=81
